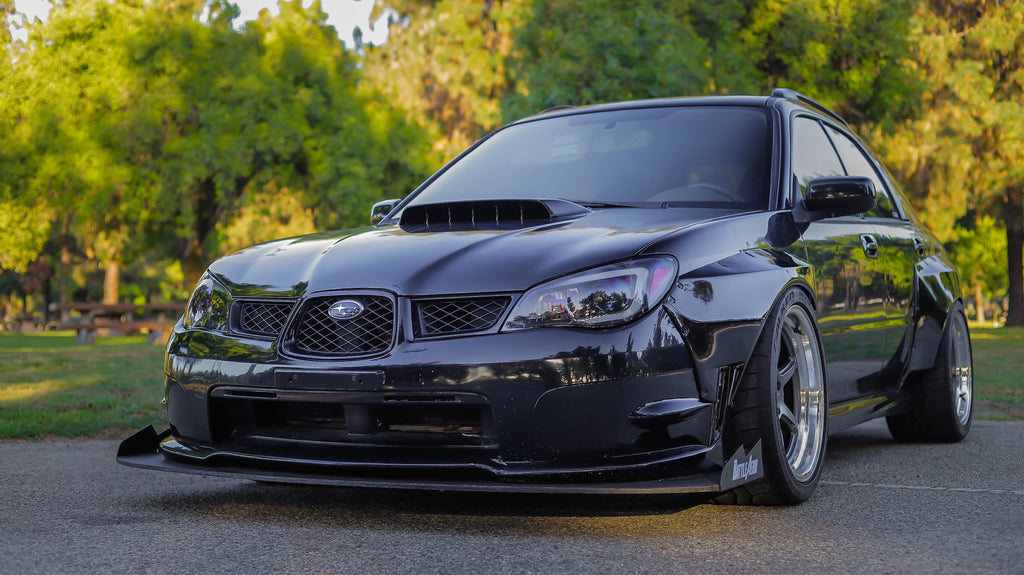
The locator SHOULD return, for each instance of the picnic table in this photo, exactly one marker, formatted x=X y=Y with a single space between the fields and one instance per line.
x=120 y=319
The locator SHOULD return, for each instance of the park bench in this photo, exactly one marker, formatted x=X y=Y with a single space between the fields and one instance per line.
x=120 y=319
x=23 y=322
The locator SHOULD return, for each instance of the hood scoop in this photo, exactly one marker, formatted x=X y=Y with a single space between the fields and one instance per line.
x=487 y=215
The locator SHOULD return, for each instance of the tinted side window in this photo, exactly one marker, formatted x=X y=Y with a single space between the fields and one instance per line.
x=857 y=164
x=813 y=154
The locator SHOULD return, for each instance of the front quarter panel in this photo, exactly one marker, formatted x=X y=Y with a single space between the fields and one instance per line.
x=732 y=273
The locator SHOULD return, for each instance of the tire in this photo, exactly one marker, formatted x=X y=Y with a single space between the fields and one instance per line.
x=782 y=402
x=941 y=398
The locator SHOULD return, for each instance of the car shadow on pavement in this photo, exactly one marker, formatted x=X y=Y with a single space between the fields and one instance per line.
x=376 y=503
x=279 y=502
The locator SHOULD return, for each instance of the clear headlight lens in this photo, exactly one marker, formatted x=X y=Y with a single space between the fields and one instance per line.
x=602 y=297
x=208 y=307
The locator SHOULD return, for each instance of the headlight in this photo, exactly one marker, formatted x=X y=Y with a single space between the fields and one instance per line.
x=602 y=297
x=208 y=306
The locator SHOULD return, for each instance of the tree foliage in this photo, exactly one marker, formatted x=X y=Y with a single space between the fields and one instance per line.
x=964 y=149
x=146 y=125
x=449 y=67
x=142 y=131
x=579 y=52
x=846 y=54
x=980 y=254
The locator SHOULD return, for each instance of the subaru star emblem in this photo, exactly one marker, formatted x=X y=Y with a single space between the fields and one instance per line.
x=345 y=309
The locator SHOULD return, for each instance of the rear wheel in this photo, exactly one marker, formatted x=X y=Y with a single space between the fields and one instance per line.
x=942 y=398
x=782 y=403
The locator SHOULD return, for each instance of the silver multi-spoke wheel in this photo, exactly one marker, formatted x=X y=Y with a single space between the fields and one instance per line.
x=962 y=366
x=799 y=393
x=782 y=405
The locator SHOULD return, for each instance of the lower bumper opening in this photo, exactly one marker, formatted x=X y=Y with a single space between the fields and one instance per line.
x=358 y=419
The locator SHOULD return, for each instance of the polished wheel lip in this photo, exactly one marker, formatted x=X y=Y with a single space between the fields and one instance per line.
x=963 y=370
x=800 y=409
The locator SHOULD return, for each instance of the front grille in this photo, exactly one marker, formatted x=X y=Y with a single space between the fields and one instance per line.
x=446 y=317
x=263 y=318
x=370 y=332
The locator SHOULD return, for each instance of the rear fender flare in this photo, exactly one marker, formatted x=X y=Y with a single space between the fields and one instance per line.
x=937 y=290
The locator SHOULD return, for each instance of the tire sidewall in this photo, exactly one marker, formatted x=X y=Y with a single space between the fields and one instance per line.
x=777 y=467
x=957 y=429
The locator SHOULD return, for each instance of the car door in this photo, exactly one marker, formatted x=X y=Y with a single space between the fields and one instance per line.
x=901 y=249
x=847 y=256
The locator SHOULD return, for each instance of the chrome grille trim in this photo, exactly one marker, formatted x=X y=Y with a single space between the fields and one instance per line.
x=441 y=317
x=372 y=332
x=263 y=317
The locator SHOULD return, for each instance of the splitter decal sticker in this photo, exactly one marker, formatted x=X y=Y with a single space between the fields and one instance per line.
x=742 y=467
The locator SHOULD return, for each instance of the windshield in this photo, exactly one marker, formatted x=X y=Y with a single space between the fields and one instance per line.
x=715 y=157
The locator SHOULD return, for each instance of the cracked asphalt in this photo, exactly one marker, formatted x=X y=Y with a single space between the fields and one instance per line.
x=882 y=507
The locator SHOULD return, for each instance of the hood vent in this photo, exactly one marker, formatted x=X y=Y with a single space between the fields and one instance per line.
x=487 y=215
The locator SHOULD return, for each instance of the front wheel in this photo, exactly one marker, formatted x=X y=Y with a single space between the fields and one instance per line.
x=942 y=398
x=782 y=403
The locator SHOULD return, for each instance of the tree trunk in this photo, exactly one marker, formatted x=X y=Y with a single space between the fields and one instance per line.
x=65 y=278
x=193 y=264
x=979 y=302
x=1015 y=295
x=47 y=298
x=111 y=282
x=208 y=208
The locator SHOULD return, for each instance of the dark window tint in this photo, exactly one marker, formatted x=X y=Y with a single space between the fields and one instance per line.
x=857 y=164
x=813 y=154
x=700 y=156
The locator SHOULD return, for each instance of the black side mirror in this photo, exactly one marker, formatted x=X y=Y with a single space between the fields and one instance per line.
x=380 y=210
x=836 y=196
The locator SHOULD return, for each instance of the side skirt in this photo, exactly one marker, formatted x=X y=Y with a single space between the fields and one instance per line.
x=856 y=411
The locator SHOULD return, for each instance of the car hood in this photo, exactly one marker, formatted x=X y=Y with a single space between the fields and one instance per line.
x=449 y=262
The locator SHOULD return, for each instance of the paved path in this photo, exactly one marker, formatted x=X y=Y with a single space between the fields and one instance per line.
x=883 y=507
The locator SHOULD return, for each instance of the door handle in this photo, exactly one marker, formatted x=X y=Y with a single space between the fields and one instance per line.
x=919 y=246
x=870 y=245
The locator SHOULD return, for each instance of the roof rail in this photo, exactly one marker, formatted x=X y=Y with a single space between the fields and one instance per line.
x=794 y=96
x=558 y=107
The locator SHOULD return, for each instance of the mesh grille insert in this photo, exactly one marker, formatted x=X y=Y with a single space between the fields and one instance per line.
x=264 y=318
x=369 y=332
x=443 y=317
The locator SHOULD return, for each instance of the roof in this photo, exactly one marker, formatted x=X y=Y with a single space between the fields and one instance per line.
x=783 y=94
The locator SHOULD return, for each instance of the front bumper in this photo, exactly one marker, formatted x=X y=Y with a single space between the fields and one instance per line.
x=544 y=410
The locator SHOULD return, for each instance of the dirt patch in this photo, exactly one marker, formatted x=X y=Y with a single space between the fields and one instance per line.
x=996 y=410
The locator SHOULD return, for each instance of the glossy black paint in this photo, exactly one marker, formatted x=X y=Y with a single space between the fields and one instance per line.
x=558 y=408
x=840 y=196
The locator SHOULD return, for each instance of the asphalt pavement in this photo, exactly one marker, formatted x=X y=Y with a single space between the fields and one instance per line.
x=882 y=507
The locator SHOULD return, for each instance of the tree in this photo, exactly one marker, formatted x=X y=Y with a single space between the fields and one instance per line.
x=584 y=52
x=845 y=54
x=148 y=125
x=24 y=227
x=24 y=230
x=965 y=150
x=980 y=254
x=278 y=108
x=71 y=91
x=448 y=68
x=849 y=55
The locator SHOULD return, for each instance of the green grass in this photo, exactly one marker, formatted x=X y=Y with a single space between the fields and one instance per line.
x=999 y=364
x=52 y=387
